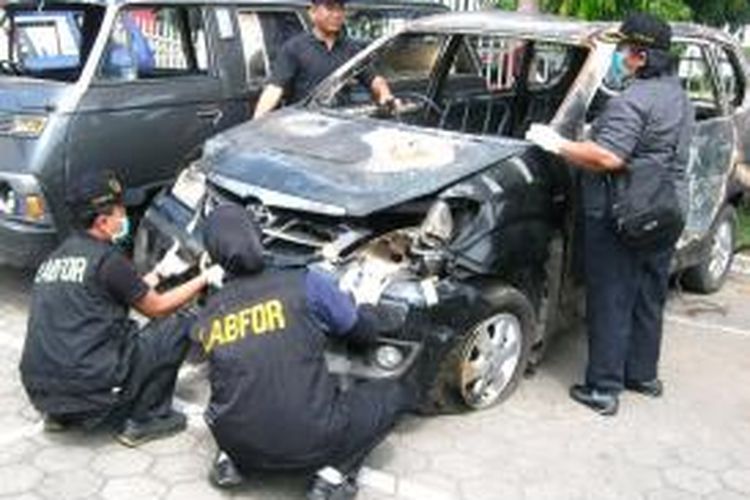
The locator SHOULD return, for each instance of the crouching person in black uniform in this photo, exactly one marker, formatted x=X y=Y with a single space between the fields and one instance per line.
x=274 y=406
x=84 y=362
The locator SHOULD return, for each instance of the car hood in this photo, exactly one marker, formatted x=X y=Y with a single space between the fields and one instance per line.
x=20 y=94
x=344 y=166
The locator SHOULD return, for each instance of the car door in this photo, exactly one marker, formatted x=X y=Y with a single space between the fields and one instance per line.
x=732 y=73
x=263 y=32
x=154 y=99
x=713 y=141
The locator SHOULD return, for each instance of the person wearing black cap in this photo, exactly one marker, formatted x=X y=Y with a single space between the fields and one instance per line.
x=274 y=405
x=638 y=152
x=308 y=58
x=84 y=362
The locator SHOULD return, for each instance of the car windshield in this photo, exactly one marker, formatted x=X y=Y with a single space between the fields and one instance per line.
x=49 y=42
x=477 y=84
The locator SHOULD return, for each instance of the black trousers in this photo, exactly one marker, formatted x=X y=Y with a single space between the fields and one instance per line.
x=159 y=350
x=625 y=295
x=375 y=407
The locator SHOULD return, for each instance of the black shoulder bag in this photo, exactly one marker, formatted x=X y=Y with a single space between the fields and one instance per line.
x=646 y=217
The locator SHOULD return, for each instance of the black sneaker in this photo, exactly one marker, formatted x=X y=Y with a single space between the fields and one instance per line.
x=52 y=423
x=604 y=403
x=330 y=484
x=224 y=473
x=653 y=388
x=135 y=433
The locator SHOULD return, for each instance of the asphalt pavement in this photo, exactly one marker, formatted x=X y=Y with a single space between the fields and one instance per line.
x=694 y=443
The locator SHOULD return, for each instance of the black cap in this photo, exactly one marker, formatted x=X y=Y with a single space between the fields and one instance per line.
x=643 y=30
x=95 y=189
x=318 y=2
x=232 y=238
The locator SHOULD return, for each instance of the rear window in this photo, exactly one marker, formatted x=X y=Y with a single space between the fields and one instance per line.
x=48 y=42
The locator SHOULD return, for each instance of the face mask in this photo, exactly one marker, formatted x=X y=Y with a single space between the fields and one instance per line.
x=619 y=71
x=124 y=231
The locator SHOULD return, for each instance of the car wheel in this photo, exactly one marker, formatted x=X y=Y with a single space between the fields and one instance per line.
x=709 y=276
x=488 y=361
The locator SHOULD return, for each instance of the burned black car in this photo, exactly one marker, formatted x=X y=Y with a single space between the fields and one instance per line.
x=471 y=228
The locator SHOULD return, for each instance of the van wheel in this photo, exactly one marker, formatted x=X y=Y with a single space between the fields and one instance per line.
x=709 y=276
x=488 y=361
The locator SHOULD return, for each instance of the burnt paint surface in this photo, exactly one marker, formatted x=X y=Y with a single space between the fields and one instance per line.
x=710 y=161
x=361 y=166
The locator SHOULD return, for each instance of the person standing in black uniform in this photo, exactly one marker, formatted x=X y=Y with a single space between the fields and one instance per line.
x=308 y=58
x=274 y=405
x=84 y=362
x=641 y=138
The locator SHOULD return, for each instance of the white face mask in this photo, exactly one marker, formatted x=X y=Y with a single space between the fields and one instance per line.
x=124 y=231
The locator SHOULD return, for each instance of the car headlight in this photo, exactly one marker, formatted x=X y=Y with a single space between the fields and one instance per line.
x=21 y=198
x=190 y=187
x=437 y=227
x=23 y=125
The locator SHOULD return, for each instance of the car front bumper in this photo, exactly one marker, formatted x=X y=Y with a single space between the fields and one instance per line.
x=25 y=245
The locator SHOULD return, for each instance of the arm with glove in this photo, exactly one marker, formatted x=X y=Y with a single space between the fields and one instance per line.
x=343 y=315
x=587 y=154
x=156 y=304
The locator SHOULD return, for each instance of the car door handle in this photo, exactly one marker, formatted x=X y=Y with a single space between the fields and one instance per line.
x=213 y=114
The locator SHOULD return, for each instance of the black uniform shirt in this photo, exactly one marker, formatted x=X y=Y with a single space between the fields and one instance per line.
x=119 y=277
x=79 y=336
x=649 y=126
x=304 y=61
x=273 y=402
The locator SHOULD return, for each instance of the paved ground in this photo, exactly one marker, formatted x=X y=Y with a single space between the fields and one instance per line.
x=694 y=443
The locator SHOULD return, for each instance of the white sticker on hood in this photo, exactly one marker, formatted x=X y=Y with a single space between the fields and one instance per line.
x=397 y=150
x=306 y=124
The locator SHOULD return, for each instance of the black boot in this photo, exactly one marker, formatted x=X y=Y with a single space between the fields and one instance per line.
x=137 y=432
x=224 y=474
x=330 y=484
x=604 y=403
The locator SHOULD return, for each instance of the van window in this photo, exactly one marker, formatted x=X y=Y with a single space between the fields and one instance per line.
x=367 y=24
x=155 y=42
x=49 y=42
x=263 y=33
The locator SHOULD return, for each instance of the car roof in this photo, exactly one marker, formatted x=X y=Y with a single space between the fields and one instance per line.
x=542 y=26
x=357 y=4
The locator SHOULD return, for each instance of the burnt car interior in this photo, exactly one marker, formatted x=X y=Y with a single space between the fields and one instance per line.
x=475 y=84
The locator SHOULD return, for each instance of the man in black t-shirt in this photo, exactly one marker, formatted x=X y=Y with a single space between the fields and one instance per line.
x=84 y=360
x=308 y=58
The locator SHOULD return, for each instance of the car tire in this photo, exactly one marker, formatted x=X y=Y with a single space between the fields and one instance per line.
x=709 y=275
x=493 y=351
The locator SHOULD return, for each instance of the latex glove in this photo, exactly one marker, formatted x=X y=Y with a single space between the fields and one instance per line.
x=171 y=264
x=214 y=276
x=364 y=283
x=545 y=137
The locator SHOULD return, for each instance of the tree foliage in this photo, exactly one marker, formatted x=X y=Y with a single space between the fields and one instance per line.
x=715 y=12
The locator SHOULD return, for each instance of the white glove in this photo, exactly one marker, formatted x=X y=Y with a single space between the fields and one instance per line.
x=364 y=283
x=214 y=276
x=171 y=264
x=546 y=138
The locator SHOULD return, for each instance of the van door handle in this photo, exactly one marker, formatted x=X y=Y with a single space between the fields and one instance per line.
x=213 y=114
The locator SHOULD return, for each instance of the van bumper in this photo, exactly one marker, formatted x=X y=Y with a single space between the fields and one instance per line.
x=25 y=245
